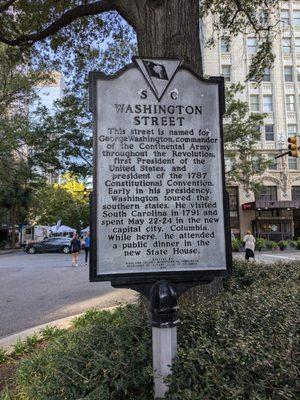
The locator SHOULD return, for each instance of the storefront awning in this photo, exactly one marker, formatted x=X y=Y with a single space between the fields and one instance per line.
x=274 y=204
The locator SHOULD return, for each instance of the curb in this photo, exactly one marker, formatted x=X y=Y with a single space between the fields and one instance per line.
x=64 y=323
x=3 y=252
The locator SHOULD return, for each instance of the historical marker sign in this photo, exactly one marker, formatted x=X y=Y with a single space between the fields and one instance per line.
x=159 y=206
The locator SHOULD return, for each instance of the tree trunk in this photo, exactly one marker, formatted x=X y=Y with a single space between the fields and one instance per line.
x=166 y=28
x=169 y=28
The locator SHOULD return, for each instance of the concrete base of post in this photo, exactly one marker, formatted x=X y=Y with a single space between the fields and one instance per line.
x=164 y=345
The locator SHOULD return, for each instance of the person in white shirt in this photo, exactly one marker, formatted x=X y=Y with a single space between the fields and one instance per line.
x=249 y=241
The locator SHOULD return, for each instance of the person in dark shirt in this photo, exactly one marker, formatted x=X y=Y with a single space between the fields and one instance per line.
x=75 y=249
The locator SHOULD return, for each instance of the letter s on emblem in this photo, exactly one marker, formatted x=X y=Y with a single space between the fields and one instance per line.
x=143 y=93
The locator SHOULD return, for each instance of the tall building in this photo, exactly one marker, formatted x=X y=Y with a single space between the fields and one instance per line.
x=275 y=214
x=47 y=94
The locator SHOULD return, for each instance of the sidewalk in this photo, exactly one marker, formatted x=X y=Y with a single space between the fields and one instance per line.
x=10 y=251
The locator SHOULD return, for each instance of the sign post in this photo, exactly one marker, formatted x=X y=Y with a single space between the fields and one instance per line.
x=159 y=218
x=164 y=320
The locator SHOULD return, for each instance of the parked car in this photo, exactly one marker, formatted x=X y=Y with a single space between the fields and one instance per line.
x=50 y=245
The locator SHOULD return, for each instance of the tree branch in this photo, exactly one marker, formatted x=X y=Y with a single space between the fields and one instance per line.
x=84 y=158
x=257 y=29
x=5 y=6
x=67 y=18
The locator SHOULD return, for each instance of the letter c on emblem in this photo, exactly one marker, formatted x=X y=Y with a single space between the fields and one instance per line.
x=174 y=94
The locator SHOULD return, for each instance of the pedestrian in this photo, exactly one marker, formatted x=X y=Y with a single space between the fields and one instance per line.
x=75 y=249
x=87 y=247
x=249 y=241
x=82 y=241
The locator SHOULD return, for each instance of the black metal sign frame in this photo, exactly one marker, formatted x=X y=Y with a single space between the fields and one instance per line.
x=142 y=282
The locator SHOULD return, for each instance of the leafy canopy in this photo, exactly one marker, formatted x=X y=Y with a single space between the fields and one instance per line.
x=65 y=202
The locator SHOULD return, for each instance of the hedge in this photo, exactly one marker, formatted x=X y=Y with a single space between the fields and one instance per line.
x=240 y=345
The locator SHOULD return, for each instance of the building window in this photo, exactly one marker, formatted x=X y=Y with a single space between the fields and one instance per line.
x=268 y=193
x=285 y=18
x=256 y=162
x=298 y=73
x=290 y=102
x=292 y=163
x=292 y=129
x=286 y=45
x=267 y=213
x=254 y=102
x=296 y=18
x=267 y=103
x=272 y=162
x=225 y=45
x=226 y=71
x=229 y=163
x=295 y=192
x=269 y=132
x=251 y=45
x=263 y=17
x=297 y=45
x=233 y=192
x=288 y=74
x=267 y=75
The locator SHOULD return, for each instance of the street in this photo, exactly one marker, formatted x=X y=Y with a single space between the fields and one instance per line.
x=40 y=288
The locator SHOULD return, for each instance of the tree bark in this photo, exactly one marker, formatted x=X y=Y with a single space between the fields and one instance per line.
x=165 y=28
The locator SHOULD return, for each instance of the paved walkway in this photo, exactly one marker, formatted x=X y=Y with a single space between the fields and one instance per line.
x=270 y=256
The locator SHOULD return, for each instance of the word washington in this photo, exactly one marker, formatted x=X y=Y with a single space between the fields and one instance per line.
x=160 y=114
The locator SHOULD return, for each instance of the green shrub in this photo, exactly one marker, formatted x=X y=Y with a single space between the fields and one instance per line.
x=235 y=244
x=271 y=244
x=3 y=356
x=106 y=357
x=19 y=348
x=298 y=244
x=283 y=244
x=90 y=317
x=25 y=346
x=293 y=243
x=260 y=243
x=240 y=345
x=51 y=332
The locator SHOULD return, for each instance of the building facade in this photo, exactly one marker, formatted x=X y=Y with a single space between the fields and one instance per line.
x=275 y=215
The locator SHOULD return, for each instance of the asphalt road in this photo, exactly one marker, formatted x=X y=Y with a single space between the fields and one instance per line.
x=40 y=288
